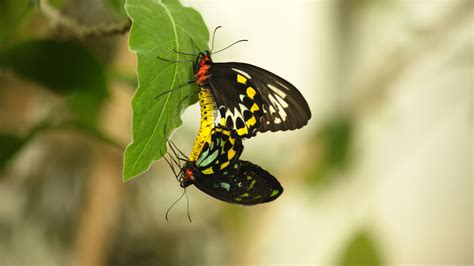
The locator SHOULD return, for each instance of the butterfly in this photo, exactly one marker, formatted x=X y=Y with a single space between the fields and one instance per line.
x=220 y=173
x=248 y=98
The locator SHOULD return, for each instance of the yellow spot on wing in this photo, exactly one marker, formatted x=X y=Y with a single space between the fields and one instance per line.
x=252 y=121
x=208 y=171
x=224 y=165
x=251 y=92
x=230 y=154
x=242 y=131
x=254 y=108
x=241 y=79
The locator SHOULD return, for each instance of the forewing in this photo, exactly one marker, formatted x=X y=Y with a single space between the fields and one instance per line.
x=239 y=106
x=237 y=87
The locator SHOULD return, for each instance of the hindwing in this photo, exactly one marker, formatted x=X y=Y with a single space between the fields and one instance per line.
x=244 y=183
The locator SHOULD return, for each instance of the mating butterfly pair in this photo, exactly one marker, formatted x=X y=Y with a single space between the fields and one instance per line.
x=237 y=100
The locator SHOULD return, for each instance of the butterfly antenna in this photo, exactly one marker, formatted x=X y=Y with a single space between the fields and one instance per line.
x=174 y=203
x=187 y=205
x=213 y=35
x=243 y=40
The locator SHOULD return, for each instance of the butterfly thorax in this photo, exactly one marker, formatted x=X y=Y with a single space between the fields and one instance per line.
x=208 y=113
x=201 y=67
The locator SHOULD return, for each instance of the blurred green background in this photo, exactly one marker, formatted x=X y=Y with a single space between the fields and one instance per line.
x=382 y=174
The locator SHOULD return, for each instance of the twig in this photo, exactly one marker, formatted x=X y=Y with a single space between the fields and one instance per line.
x=58 y=20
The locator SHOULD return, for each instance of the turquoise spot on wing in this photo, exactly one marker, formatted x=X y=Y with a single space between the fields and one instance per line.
x=225 y=186
x=211 y=146
x=202 y=157
x=207 y=160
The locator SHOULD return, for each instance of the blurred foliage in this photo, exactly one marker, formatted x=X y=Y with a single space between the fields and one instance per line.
x=119 y=6
x=61 y=178
x=361 y=250
x=65 y=68
x=16 y=19
x=154 y=119
x=12 y=14
x=333 y=142
x=10 y=144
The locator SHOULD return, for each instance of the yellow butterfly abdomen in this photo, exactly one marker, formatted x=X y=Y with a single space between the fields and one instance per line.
x=208 y=113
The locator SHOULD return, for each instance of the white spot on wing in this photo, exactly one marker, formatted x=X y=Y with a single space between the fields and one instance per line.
x=281 y=84
x=279 y=106
x=237 y=114
x=218 y=116
x=282 y=114
x=282 y=102
x=272 y=110
x=241 y=72
x=277 y=90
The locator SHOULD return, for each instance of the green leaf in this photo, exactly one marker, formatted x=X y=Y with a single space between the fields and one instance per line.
x=158 y=28
x=64 y=67
x=361 y=250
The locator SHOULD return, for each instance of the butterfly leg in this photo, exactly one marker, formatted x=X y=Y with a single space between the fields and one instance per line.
x=183 y=53
x=175 y=88
x=174 y=61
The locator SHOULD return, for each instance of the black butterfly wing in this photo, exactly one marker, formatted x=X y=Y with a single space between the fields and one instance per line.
x=280 y=105
x=244 y=183
x=222 y=149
